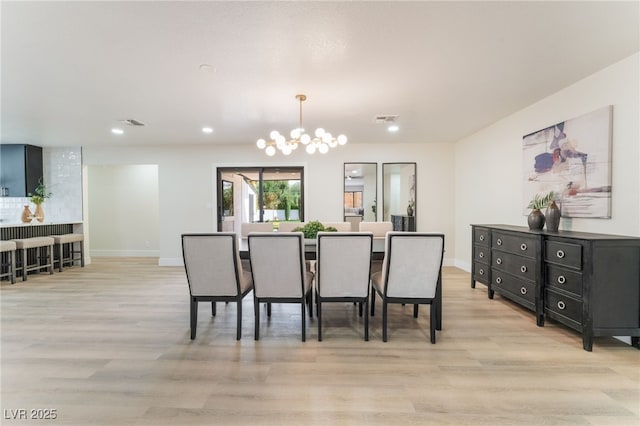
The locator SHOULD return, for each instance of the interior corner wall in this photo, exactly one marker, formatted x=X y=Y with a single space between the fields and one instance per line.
x=488 y=164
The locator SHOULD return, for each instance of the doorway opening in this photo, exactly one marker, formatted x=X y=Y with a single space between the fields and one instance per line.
x=259 y=194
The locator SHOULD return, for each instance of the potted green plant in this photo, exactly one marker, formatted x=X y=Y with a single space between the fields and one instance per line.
x=536 y=218
x=311 y=229
x=40 y=194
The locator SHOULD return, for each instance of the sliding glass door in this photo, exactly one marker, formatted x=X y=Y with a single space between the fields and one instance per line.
x=259 y=194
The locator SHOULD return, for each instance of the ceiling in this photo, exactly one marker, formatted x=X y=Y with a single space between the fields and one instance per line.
x=72 y=70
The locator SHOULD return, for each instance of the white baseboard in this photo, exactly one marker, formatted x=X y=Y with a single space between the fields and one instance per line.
x=170 y=261
x=125 y=253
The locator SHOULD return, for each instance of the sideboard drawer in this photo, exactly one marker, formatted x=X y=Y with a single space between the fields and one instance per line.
x=522 y=244
x=564 y=254
x=564 y=279
x=519 y=266
x=481 y=273
x=563 y=305
x=481 y=236
x=520 y=288
x=481 y=254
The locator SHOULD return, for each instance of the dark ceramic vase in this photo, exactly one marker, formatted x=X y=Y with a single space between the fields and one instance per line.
x=536 y=220
x=552 y=216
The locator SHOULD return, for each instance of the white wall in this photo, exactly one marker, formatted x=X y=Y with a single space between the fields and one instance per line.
x=186 y=183
x=122 y=205
x=488 y=164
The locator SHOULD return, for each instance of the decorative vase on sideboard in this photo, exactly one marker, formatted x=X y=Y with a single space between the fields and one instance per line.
x=536 y=220
x=552 y=216
x=39 y=213
x=26 y=215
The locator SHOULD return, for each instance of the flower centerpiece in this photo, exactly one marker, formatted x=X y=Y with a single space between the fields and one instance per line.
x=40 y=194
x=536 y=218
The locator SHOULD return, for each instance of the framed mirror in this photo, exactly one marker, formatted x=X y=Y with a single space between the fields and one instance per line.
x=399 y=195
x=360 y=193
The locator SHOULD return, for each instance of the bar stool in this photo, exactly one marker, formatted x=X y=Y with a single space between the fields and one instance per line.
x=8 y=249
x=70 y=240
x=42 y=244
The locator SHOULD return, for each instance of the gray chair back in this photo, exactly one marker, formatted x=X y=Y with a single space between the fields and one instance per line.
x=343 y=264
x=412 y=264
x=212 y=264
x=277 y=264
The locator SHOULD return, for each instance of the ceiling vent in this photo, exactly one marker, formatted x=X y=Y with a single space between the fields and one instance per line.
x=132 y=122
x=381 y=119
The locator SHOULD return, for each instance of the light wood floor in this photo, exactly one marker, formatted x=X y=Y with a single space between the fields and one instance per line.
x=109 y=345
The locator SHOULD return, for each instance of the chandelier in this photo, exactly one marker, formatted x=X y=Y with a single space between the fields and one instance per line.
x=321 y=141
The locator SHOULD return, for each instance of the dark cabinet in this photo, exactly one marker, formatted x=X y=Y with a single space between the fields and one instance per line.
x=588 y=282
x=403 y=223
x=21 y=169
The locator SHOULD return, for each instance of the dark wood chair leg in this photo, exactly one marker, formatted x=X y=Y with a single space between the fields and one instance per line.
x=384 y=320
x=366 y=322
x=256 y=324
x=415 y=310
x=360 y=309
x=194 y=317
x=304 y=334
x=432 y=321
x=239 y=319
x=269 y=309
x=373 y=301
x=213 y=309
x=319 y=313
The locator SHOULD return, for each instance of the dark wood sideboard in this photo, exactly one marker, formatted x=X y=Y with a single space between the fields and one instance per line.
x=588 y=282
x=403 y=223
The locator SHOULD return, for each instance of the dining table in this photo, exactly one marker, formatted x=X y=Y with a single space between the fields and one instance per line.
x=310 y=245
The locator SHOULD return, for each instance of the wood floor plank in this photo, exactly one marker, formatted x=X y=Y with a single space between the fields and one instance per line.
x=109 y=344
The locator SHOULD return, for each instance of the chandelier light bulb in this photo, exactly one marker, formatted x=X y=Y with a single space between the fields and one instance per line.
x=320 y=140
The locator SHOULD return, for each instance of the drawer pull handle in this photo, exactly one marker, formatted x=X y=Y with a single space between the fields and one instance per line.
x=499 y=242
x=523 y=269
x=481 y=255
x=562 y=279
x=498 y=280
x=523 y=247
x=523 y=290
x=481 y=271
x=561 y=305
x=560 y=254
x=499 y=261
x=481 y=237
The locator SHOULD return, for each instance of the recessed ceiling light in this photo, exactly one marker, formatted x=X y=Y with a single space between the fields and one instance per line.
x=117 y=131
x=393 y=128
x=207 y=130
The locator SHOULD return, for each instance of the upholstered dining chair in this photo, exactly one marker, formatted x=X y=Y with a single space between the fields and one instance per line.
x=279 y=272
x=248 y=227
x=379 y=230
x=290 y=226
x=343 y=268
x=214 y=273
x=411 y=274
